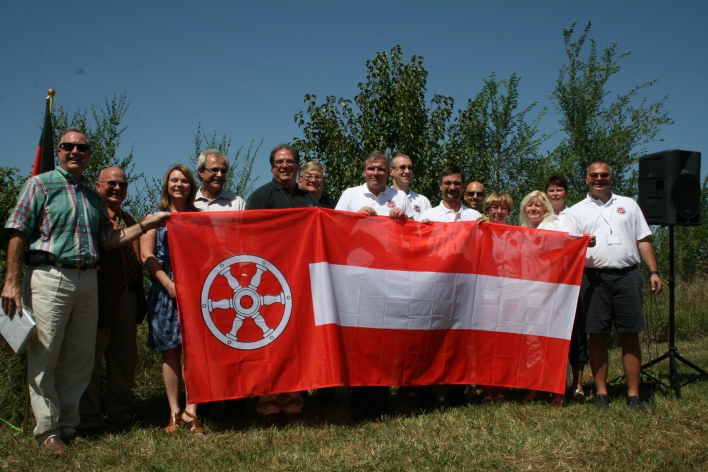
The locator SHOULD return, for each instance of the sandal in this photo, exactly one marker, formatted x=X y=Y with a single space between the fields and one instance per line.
x=193 y=423
x=175 y=422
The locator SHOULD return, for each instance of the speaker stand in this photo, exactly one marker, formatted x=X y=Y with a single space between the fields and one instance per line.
x=672 y=354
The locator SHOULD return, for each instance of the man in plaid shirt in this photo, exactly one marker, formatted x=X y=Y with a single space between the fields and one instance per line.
x=56 y=228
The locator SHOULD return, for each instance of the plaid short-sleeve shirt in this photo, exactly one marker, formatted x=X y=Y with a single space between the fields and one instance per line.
x=62 y=218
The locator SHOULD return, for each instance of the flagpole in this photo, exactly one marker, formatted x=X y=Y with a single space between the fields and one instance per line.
x=25 y=424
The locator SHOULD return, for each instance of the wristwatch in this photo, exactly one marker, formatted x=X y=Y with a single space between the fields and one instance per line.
x=655 y=272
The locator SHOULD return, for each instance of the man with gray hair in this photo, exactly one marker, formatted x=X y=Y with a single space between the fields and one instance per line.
x=212 y=167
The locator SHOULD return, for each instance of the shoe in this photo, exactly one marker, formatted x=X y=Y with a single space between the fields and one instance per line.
x=532 y=396
x=75 y=438
x=578 y=396
x=487 y=400
x=500 y=399
x=277 y=420
x=558 y=400
x=55 y=445
x=175 y=422
x=602 y=402
x=92 y=432
x=193 y=424
x=636 y=403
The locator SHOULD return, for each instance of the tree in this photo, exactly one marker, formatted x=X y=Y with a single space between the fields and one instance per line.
x=596 y=126
x=389 y=114
x=494 y=143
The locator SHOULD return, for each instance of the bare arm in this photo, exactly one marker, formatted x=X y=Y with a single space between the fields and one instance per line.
x=147 y=254
x=11 y=292
x=646 y=252
x=127 y=235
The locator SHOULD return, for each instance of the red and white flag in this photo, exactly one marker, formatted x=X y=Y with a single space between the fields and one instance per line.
x=286 y=300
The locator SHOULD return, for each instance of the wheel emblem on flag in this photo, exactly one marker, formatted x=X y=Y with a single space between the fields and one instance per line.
x=246 y=302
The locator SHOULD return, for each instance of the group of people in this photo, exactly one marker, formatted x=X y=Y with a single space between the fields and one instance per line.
x=65 y=231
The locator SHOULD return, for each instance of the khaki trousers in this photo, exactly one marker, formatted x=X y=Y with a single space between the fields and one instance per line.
x=118 y=345
x=64 y=303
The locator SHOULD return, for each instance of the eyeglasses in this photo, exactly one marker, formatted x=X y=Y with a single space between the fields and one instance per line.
x=68 y=147
x=216 y=170
x=313 y=178
x=472 y=194
x=603 y=175
x=402 y=168
x=112 y=183
x=284 y=162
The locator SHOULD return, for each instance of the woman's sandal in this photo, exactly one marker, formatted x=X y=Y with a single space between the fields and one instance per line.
x=175 y=422
x=193 y=423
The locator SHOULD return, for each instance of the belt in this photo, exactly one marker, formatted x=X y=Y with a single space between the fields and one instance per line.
x=78 y=268
x=623 y=271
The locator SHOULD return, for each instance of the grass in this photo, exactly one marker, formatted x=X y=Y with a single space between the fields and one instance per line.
x=673 y=435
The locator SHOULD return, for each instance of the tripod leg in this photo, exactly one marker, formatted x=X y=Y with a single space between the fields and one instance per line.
x=673 y=373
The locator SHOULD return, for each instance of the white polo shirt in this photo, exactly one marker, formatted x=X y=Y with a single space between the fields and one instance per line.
x=354 y=198
x=419 y=203
x=447 y=215
x=226 y=201
x=617 y=226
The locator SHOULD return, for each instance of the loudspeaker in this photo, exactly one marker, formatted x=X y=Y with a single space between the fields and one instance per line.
x=670 y=187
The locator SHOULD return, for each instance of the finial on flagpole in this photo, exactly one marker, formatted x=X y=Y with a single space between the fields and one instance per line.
x=51 y=92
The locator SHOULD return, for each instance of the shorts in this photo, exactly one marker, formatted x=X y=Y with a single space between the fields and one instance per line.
x=610 y=296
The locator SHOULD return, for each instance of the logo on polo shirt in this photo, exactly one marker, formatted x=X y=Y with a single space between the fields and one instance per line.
x=621 y=210
x=246 y=302
x=391 y=204
x=416 y=208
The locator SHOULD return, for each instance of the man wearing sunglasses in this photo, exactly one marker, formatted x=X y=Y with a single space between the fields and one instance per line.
x=121 y=307
x=212 y=167
x=61 y=222
x=474 y=196
x=402 y=175
x=611 y=289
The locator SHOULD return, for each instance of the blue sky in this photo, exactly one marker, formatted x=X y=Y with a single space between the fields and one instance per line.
x=243 y=68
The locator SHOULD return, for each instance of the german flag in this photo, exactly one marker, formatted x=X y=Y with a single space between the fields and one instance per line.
x=44 y=159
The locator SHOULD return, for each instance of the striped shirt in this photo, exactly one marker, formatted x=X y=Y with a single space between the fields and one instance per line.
x=64 y=219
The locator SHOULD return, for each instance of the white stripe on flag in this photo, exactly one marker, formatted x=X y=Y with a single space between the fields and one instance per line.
x=393 y=299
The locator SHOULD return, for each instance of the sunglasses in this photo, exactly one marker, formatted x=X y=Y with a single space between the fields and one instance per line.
x=402 y=168
x=604 y=175
x=113 y=183
x=68 y=147
x=472 y=194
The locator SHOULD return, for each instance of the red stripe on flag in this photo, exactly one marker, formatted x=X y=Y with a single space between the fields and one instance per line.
x=44 y=157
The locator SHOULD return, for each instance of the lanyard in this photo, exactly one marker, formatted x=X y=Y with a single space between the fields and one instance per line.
x=602 y=215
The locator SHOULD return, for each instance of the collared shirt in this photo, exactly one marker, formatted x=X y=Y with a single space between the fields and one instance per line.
x=62 y=218
x=226 y=201
x=275 y=195
x=447 y=215
x=355 y=198
x=419 y=203
x=617 y=226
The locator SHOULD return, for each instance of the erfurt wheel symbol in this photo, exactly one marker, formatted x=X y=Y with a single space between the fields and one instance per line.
x=246 y=302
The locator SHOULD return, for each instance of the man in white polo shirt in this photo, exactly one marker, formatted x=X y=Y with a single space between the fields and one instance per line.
x=611 y=290
x=402 y=175
x=212 y=167
x=451 y=208
x=375 y=197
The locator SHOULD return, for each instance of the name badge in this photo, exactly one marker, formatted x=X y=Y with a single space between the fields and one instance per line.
x=612 y=239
